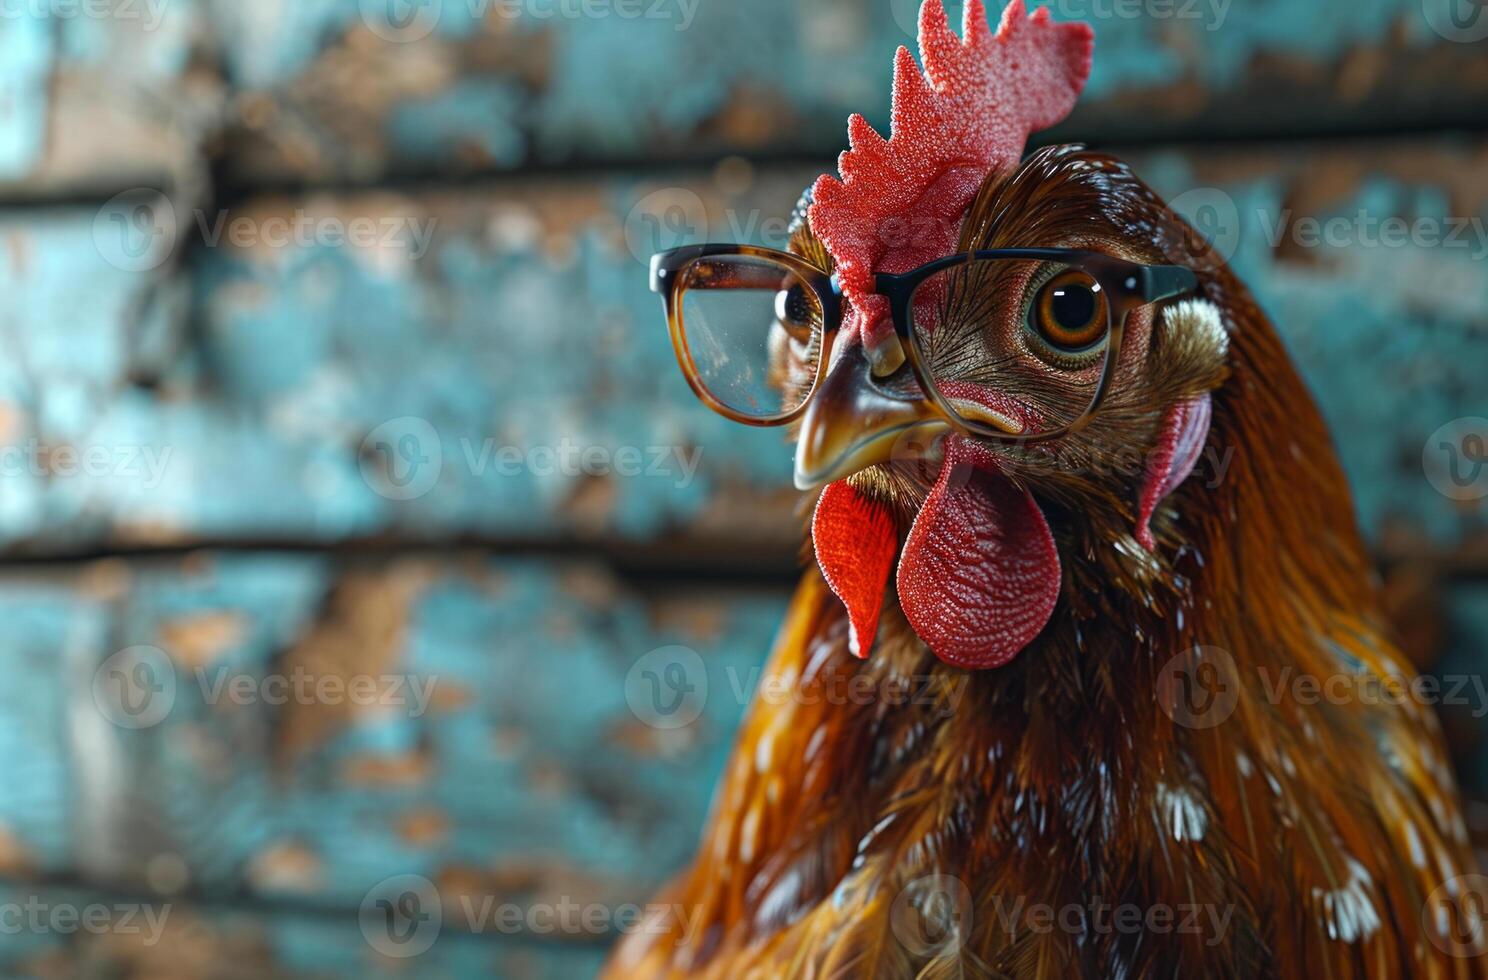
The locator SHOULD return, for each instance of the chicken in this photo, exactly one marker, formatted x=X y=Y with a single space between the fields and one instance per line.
x=1068 y=738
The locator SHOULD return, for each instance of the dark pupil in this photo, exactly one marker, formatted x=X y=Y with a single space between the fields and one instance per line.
x=1073 y=307
x=792 y=307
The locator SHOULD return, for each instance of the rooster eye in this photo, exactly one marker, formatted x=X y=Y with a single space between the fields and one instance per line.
x=1069 y=314
x=796 y=311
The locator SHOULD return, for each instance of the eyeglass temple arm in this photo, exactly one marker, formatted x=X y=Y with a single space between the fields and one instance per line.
x=1158 y=282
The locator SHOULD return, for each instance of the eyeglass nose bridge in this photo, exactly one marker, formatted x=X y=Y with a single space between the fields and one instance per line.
x=1131 y=285
x=884 y=348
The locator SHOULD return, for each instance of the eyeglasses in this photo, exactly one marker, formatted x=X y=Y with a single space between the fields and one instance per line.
x=1007 y=344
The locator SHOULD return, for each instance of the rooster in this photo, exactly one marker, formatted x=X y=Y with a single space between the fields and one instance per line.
x=1081 y=754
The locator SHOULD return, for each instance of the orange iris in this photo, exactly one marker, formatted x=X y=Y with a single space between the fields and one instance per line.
x=1071 y=311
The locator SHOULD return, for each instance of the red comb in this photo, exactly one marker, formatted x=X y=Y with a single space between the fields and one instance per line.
x=900 y=201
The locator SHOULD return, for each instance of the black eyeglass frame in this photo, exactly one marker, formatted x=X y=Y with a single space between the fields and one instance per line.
x=1127 y=285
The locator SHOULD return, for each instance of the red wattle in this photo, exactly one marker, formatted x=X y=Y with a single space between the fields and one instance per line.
x=855 y=540
x=979 y=576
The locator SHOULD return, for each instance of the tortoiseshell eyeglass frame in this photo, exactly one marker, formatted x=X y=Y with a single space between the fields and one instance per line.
x=1128 y=286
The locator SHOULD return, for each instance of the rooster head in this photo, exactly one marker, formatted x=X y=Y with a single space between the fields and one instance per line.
x=972 y=530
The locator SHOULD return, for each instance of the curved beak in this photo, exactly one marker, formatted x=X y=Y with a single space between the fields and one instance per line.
x=852 y=423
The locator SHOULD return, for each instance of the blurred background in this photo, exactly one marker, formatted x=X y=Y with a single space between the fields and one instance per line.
x=362 y=543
